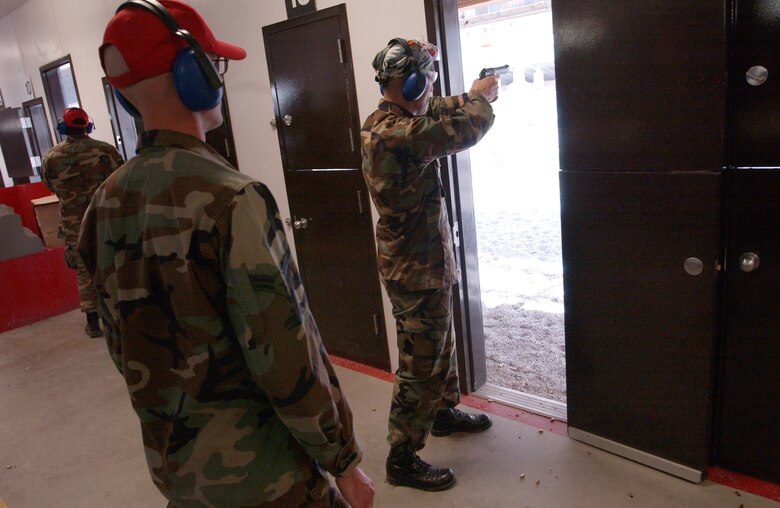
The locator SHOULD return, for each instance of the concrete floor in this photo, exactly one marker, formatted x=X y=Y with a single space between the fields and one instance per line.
x=68 y=438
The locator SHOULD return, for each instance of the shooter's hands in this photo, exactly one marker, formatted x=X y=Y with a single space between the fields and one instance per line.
x=488 y=86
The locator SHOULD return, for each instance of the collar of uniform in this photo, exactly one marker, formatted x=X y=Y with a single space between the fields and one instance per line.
x=393 y=108
x=170 y=138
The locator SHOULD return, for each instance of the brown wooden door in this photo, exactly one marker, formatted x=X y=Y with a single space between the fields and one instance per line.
x=755 y=120
x=748 y=435
x=748 y=425
x=312 y=86
x=640 y=329
x=14 y=145
x=641 y=108
x=37 y=132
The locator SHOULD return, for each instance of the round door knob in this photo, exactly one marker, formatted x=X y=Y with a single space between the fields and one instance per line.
x=301 y=223
x=756 y=75
x=693 y=266
x=749 y=261
x=287 y=119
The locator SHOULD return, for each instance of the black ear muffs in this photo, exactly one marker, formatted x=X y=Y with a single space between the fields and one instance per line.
x=194 y=75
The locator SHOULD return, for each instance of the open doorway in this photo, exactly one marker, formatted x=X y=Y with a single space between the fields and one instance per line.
x=517 y=204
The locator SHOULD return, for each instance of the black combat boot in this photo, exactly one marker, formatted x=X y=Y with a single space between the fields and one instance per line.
x=93 y=325
x=453 y=420
x=405 y=468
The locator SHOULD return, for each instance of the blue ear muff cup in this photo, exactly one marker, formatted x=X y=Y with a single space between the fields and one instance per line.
x=62 y=129
x=192 y=84
x=412 y=87
x=127 y=105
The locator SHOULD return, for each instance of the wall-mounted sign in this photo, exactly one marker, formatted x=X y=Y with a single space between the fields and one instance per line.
x=298 y=7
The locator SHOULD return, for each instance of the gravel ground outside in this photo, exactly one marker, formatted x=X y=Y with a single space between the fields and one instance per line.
x=517 y=209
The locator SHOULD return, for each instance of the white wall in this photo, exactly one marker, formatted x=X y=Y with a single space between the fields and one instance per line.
x=42 y=31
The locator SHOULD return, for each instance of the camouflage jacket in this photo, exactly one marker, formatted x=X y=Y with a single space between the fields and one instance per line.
x=207 y=320
x=401 y=169
x=73 y=170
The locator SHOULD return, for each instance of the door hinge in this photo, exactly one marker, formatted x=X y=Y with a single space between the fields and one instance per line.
x=360 y=202
x=376 y=324
x=351 y=139
x=456 y=234
x=342 y=57
x=227 y=148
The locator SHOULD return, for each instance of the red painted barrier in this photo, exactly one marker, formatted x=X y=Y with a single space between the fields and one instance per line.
x=18 y=197
x=39 y=285
x=35 y=287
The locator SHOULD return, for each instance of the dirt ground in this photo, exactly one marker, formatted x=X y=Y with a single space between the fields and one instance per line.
x=517 y=210
x=522 y=306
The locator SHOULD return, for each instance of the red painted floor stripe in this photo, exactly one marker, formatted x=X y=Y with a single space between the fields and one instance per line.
x=489 y=406
x=744 y=483
x=714 y=474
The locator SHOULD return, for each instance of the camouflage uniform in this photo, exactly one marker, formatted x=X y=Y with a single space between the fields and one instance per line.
x=73 y=170
x=208 y=321
x=415 y=251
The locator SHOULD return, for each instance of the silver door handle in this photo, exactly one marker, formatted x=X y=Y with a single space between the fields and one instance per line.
x=693 y=266
x=756 y=75
x=301 y=223
x=287 y=119
x=749 y=261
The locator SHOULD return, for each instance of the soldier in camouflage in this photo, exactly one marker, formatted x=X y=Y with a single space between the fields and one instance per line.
x=206 y=316
x=73 y=170
x=401 y=143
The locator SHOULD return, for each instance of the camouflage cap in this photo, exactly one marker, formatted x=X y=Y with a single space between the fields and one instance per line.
x=402 y=56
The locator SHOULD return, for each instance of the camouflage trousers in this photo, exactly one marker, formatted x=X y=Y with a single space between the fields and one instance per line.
x=87 y=294
x=427 y=376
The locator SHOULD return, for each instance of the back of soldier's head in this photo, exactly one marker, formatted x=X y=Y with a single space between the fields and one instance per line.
x=75 y=122
x=411 y=62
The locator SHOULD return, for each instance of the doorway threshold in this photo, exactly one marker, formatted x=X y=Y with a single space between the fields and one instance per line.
x=525 y=401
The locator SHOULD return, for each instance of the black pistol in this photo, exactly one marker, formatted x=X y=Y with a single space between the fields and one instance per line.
x=493 y=71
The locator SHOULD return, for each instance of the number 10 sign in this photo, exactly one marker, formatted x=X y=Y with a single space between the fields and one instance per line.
x=298 y=7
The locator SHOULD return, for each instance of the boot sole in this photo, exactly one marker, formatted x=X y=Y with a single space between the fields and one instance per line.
x=442 y=433
x=427 y=488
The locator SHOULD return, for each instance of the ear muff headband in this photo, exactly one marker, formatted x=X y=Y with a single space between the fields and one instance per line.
x=194 y=76
x=415 y=82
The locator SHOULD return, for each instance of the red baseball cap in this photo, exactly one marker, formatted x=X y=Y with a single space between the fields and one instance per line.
x=75 y=117
x=149 y=47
